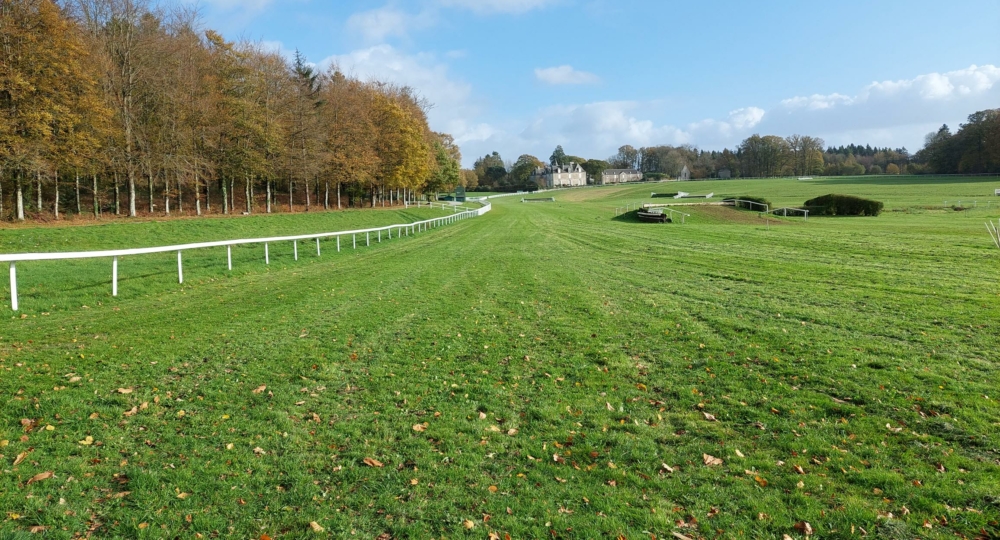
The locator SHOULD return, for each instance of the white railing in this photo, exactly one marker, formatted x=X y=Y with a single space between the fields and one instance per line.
x=402 y=229
x=784 y=212
x=455 y=207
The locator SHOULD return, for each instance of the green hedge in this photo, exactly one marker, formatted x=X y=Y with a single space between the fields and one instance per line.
x=759 y=200
x=843 y=205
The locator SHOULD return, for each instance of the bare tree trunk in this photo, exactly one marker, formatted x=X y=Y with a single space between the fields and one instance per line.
x=20 y=199
x=338 y=196
x=268 y=196
x=308 y=202
x=180 y=192
x=232 y=193
x=166 y=194
x=131 y=195
x=197 y=193
x=55 y=205
x=97 y=202
x=149 y=184
x=38 y=180
x=118 y=199
x=78 y=212
x=208 y=196
x=326 y=197
x=247 y=194
x=290 y=191
x=225 y=198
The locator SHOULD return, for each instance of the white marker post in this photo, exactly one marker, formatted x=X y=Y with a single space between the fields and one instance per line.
x=180 y=269
x=317 y=247
x=114 y=277
x=267 y=254
x=229 y=257
x=295 y=248
x=13 y=286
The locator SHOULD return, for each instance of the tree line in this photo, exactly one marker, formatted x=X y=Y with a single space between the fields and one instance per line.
x=973 y=149
x=129 y=107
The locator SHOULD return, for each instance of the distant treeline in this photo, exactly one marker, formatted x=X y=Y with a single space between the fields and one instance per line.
x=973 y=149
x=129 y=106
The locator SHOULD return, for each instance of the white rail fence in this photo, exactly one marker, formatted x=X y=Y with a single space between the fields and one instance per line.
x=401 y=230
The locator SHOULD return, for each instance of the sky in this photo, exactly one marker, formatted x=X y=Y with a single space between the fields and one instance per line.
x=522 y=76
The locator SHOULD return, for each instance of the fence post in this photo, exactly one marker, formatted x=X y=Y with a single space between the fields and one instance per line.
x=267 y=254
x=13 y=286
x=317 y=247
x=180 y=269
x=229 y=257
x=368 y=239
x=380 y=236
x=295 y=249
x=114 y=277
x=338 y=244
x=354 y=241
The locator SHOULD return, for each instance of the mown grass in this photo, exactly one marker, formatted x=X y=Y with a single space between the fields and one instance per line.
x=551 y=358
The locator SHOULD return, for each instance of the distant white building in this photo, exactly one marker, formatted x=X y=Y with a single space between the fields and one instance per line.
x=685 y=174
x=619 y=176
x=568 y=175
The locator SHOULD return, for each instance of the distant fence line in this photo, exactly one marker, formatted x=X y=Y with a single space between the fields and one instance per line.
x=401 y=229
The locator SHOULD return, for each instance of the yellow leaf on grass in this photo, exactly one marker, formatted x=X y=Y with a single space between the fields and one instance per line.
x=40 y=476
x=124 y=390
x=87 y=441
x=414 y=481
x=711 y=460
x=493 y=489
x=709 y=417
x=143 y=525
x=183 y=496
x=94 y=416
x=420 y=427
x=468 y=524
x=372 y=462
x=20 y=457
x=4 y=442
x=260 y=389
x=739 y=454
x=316 y=527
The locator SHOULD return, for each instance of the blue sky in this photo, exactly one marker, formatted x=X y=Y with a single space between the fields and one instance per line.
x=521 y=76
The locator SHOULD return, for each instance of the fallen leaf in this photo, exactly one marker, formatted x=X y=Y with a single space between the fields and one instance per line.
x=229 y=446
x=666 y=468
x=414 y=481
x=493 y=536
x=709 y=417
x=420 y=427
x=124 y=390
x=37 y=529
x=512 y=432
x=40 y=476
x=132 y=412
x=739 y=454
x=608 y=405
x=75 y=379
x=712 y=512
x=761 y=481
x=482 y=416
x=183 y=496
x=20 y=457
x=493 y=489
x=680 y=536
x=940 y=468
x=316 y=527
x=4 y=443
x=259 y=451
x=94 y=416
x=87 y=441
x=260 y=390
x=711 y=460
x=143 y=525
x=804 y=527
x=372 y=462
x=799 y=469
x=468 y=524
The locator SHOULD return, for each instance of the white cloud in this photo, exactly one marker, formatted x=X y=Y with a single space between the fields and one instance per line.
x=378 y=24
x=485 y=7
x=565 y=75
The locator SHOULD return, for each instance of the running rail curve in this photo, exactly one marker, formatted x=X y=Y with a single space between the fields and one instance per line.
x=402 y=229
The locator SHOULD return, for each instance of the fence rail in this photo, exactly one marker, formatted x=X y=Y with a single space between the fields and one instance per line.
x=402 y=229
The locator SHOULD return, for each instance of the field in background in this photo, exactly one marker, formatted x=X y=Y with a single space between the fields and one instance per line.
x=545 y=370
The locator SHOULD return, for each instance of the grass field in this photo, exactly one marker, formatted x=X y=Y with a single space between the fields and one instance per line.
x=546 y=370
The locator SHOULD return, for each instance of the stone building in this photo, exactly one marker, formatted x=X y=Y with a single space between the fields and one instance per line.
x=618 y=176
x=685 y=174
x=569 y=175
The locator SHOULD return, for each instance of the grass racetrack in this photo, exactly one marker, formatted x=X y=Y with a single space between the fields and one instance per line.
x=541 y=371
